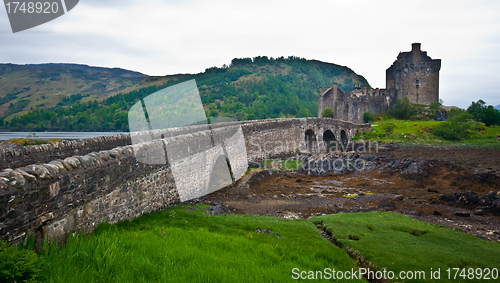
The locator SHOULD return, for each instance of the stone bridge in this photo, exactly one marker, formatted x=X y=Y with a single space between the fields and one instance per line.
x=55 y=189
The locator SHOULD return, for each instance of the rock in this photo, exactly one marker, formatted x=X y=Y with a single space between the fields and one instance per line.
x=461 y=214
x=254 y=165
x=73 y=162
x=28 y=177
x=46 y=217
x=112 y=153
x=436 y=212
x=5 y=174
x=361 y=194
x=53 y=169
x=104 y=155
x=18 y=181
x=299 y=180
x=58 y=163
x=87 y=160
x=495 y=206
x=430 y=190
x=479 y=212
x=493 y=195
x=38 y=170
x=3 y=183
x=215 y=210
x=398 y=197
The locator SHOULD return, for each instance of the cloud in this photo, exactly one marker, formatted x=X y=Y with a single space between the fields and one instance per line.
x=167 y=37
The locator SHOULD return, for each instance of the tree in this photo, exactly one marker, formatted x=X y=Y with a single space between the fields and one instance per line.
x=368 y=117
x=303 y=112
x=486 y=114
x=327 y=113
x=214 y=113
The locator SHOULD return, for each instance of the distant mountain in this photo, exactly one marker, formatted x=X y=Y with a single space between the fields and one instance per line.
x=115 y=71
x=497 y=107
x=247 y=89
x=33 y=86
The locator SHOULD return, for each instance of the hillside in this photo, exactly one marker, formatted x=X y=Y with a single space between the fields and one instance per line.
x=29 y=87
x=248 y=89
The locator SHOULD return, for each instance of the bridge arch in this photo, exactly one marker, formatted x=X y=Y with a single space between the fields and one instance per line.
x=310 y=138
x=329 y=141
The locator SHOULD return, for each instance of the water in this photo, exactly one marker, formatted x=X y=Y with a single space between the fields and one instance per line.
x=56 y=135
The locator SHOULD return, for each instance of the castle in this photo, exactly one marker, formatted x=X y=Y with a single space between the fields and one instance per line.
x=414 y=75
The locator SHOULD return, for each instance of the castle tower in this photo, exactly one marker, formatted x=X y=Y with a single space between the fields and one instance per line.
x=415 y=75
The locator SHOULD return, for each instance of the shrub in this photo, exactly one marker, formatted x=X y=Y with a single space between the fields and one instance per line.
x=368 y=117
x=454 y=112
x=435 y=106
x=457 y=127
x=387 y=128
x=452 y=131
x=18 y=264
x=403 y=109
x=478 y=126
x=327 y=113
x=370 y=135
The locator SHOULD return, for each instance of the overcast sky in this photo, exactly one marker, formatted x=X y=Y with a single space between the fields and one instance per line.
x=169 y=37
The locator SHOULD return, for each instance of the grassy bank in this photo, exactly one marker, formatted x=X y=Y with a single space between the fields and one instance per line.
x=399 y=243
x=188 y=244
x=183 y=244
x=420 y=132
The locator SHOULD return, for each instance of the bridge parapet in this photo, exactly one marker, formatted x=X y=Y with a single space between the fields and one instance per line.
x=58 y=193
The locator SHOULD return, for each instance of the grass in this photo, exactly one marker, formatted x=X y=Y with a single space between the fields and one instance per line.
x=399 y=243
x=283 y=165
x=419 y=132
x=185 y=244
x=28 y=142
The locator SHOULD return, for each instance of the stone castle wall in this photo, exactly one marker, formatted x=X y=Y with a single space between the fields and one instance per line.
x=414 y=75
x=351 y=106
x=56 y=196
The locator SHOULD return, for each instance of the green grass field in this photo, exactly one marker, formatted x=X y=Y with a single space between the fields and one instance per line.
x=282 y=165
x=419 y=132
x=399 y=243
x=187 y=244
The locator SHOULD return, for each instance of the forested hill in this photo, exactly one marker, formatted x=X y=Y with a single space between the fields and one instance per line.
x=247 y=89
x=27 y=87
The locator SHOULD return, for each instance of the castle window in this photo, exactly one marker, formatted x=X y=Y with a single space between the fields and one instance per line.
x=417 y=82
x=417 y=86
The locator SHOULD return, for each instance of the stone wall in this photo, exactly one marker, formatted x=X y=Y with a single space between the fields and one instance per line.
x=56 y=196
x=352 y=106
x=79 y=192
x=18 y=157
x=415 y=76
